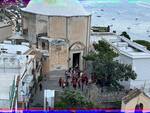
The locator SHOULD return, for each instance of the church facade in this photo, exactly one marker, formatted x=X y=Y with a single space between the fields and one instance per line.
x=60 y=30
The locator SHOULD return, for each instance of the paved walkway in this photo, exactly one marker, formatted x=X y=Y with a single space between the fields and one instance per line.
x=50 y=82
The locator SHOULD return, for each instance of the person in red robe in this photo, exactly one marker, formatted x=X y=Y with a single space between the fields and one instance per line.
x=74 y=83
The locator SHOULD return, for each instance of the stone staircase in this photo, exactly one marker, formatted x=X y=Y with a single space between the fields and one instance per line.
x=50 y=82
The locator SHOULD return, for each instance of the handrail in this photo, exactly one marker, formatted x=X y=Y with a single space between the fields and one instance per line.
x=14 y=94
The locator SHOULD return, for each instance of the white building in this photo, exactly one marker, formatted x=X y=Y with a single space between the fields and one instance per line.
x=49 y=97
x=17 y=67
x=129 y=53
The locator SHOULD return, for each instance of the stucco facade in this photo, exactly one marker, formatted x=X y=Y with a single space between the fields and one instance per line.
x=141 y=67
x=130 y=106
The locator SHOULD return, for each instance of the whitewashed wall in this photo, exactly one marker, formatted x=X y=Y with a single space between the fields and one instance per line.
x=142 y=69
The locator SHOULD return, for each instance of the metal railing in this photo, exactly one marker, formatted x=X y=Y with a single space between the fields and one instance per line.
x=13 y=94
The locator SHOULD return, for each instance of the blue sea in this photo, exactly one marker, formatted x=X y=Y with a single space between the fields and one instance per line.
x=132 y=16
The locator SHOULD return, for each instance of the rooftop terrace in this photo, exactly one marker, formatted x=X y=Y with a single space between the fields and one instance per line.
x=122 y=45
x=13 y=49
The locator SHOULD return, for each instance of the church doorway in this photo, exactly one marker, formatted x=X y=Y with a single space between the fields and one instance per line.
x=76 y=59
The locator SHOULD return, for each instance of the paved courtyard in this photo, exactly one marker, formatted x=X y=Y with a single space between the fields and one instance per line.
x=49 y=82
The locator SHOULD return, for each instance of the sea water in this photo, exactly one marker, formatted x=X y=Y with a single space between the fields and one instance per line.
x=132 y=16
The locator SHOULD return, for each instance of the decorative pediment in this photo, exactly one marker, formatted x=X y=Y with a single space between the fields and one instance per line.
x=77 y=46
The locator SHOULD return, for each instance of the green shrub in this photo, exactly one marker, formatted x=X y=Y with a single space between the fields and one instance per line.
x=125 y=34
x=73 y=99
x=60 y=105
x=144 y=43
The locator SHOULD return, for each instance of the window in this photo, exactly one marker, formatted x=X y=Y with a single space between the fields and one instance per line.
x=25 y=31
x=43 y=45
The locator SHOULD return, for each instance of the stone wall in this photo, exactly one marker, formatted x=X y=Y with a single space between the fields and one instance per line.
x=57 y=27
x=57 y=60
x=41 y=24
x=78 y=30
x=45 y=66
x=72 y=29
x=29 y=23
x=75 y=29
x=58 y=57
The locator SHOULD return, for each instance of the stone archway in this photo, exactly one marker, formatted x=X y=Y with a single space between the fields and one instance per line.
x=77 y=46
x=76 y=50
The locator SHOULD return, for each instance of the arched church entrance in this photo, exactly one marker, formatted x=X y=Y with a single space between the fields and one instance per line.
x=76 y=53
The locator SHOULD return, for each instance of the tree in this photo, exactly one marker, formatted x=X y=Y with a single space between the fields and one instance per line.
x=110 y=73
x=144 y=43
x=73 y=99
x=102 y=51
x=107 y=71
x=125 y=34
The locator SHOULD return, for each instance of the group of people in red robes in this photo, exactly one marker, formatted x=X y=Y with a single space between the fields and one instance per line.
x=75 y=78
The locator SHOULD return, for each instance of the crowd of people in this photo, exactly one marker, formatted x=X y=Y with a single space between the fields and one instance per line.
x=75 y=78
